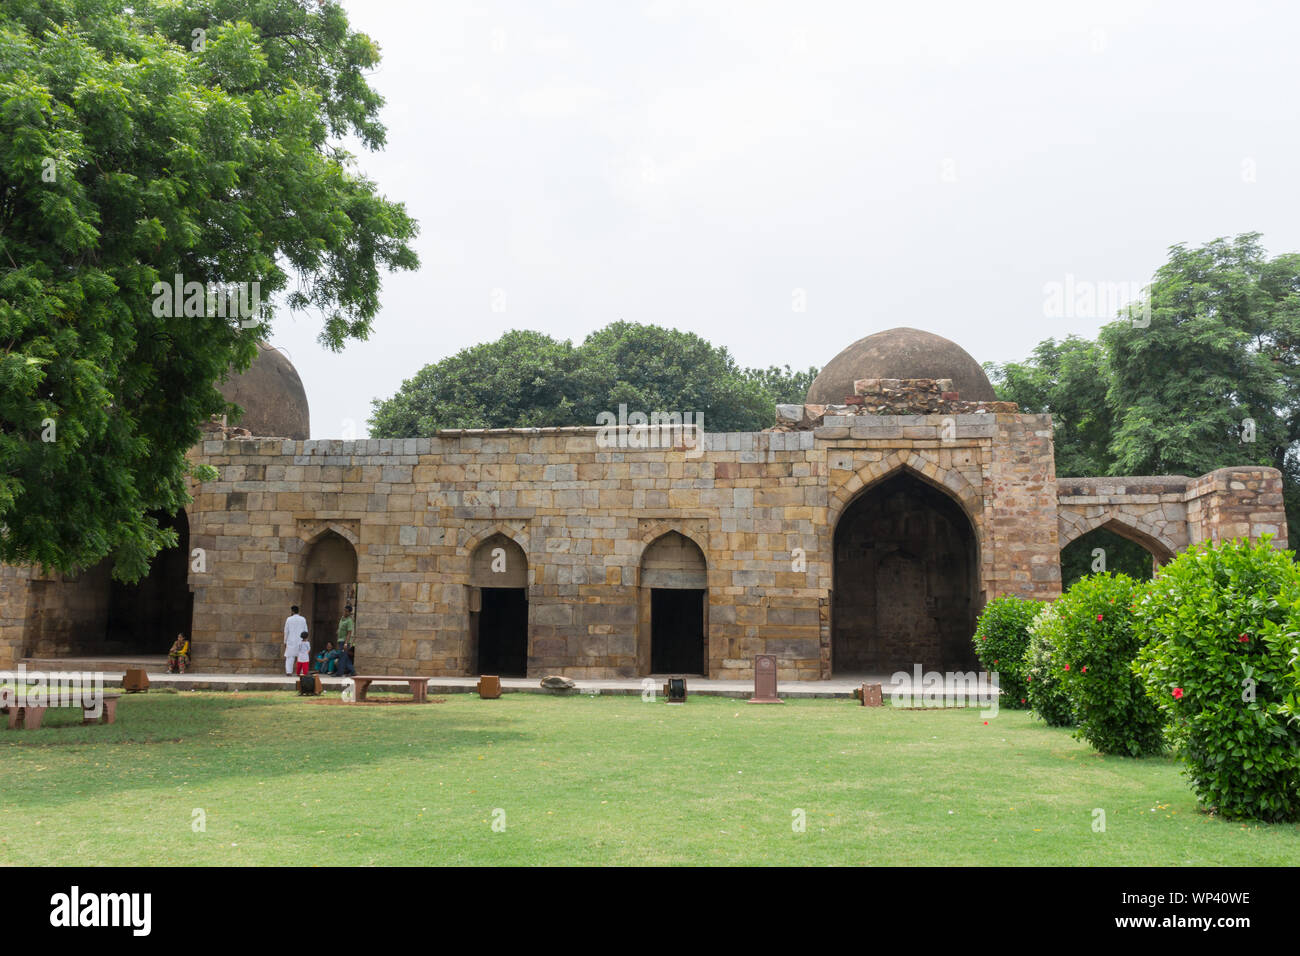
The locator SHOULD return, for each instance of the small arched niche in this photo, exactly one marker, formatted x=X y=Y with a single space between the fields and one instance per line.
x=674 y=607
x=498 y=608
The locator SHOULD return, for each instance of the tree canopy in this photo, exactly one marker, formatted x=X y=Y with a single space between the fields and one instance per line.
x=1205 y=374
x=527 y=379
x=151 y=143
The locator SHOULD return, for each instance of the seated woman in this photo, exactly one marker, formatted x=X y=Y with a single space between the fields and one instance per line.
x=178 y=658
x=326 y=660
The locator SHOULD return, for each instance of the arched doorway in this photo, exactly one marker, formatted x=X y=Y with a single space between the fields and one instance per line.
x=674 y=607
x=498 y=603
x=1111 y=547
x=91 y=614
x=905 y=580
x=329 y=585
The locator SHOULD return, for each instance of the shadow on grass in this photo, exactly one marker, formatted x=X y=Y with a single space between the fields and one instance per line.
x=154 y=742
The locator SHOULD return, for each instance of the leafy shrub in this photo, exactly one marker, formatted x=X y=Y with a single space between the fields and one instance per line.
x=1095 y=648
x=1001 y=637
x=1220 y=627
x=1045 y=690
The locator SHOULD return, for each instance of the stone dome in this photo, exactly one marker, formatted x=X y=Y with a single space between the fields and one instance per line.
x=901 y=353
x=272 y=397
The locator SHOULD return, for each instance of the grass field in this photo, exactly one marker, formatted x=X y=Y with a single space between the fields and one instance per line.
x=580 y=780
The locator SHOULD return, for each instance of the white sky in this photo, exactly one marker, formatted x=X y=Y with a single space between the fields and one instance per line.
x=692 y=165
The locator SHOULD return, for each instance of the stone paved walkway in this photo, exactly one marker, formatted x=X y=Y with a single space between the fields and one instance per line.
x=113 y=670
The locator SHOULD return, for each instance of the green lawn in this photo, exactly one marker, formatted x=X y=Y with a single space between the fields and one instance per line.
x=289 y=780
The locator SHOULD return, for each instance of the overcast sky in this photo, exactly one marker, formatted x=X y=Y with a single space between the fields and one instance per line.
x=716 y=166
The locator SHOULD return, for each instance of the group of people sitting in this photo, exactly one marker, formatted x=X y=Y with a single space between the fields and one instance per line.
x=336 y=661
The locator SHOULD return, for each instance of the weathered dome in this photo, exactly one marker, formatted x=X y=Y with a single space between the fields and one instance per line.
x=901 y=353
x=272 y=397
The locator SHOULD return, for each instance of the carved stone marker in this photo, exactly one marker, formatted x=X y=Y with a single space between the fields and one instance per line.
x=765 y=680
x=489 y=687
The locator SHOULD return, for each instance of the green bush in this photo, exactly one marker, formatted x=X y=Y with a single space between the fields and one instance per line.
x=1001 y=637
x=1095 y=649
x=1220 y=628
x=1045 y=690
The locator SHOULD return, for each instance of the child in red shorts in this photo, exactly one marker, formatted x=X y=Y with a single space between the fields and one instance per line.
x=304 y=655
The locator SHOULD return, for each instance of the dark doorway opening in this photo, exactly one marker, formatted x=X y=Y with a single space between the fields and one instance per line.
x=145 y=617
x=93 y=615
x=677 y=630
x=503 y=632
x=329 y=584
x=906 y=577
x=328 y=607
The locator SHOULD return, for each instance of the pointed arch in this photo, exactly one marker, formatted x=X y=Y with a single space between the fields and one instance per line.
x=905 y=572
x=310 y=534
x=672 y=578
x=658 y=530
x=950 y=482
x=1072 y=527
x=518 y=533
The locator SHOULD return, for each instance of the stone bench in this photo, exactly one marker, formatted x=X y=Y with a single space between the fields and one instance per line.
x=419 y=685
x=29 y=718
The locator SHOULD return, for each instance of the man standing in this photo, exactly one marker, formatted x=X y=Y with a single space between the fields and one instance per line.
x=347 y=629
x=295 y=625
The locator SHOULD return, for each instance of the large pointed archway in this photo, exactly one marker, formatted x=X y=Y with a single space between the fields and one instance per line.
x=906 y=579
x=329 y=586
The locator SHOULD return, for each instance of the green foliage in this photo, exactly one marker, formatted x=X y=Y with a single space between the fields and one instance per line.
x=1222 y=633
x=131 y=152
x=527 y=379
x=1169 y=393
x=1122 y=555
x=1067 y=379
x=785 y=387
x=1001 y=639
x=1220 y=348
x=1043 y=676
x=1096 y=643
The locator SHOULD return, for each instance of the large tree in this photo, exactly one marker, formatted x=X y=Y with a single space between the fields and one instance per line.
x=527 y=379
x=1204 y=373
x=141 y=141
x=1069 y=380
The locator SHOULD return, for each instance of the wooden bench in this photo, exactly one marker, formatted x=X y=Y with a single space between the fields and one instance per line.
x=419 y=685
x=29 y=718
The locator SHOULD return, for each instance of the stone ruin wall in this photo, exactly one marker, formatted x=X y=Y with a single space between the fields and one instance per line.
x=415 y=509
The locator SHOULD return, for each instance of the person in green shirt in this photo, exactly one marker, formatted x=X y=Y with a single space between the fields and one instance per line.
x=347 y=628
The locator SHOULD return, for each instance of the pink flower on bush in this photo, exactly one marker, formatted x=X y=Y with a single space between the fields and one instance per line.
x=1244 y=638
x=1067 y=667
x=1178 y=693
x=1099 y=617
x=1085 y=668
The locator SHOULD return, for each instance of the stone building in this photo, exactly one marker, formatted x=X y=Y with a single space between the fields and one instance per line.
x=861 y=534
